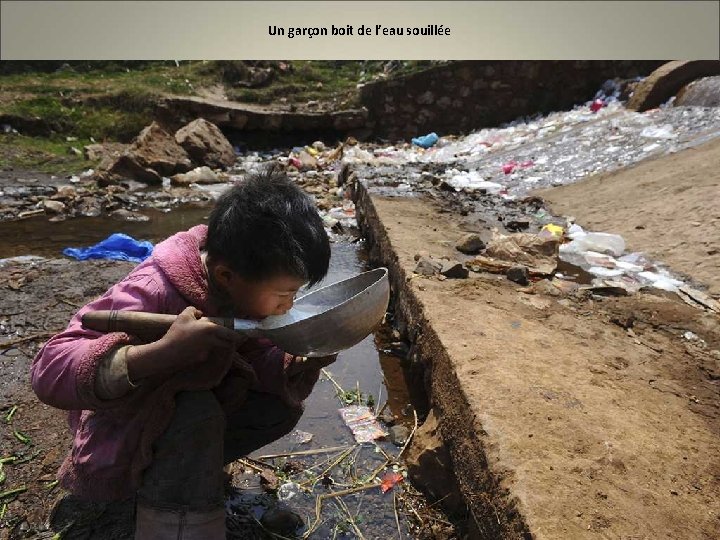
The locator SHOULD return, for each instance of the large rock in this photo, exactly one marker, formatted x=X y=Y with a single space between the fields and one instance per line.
x=667 y=80
x=205 y=144
x=429 y=464
x=153 y=155
x=704 y=92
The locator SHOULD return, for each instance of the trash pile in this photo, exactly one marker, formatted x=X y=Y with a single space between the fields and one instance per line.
x=556 y=149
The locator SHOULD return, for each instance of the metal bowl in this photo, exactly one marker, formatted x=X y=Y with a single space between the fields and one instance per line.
x=336 y=317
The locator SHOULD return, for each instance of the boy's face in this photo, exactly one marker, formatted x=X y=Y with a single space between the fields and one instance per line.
x=260 y=299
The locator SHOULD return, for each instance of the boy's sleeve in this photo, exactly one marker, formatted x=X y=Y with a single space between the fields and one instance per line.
x=270 y=364
x=64 y=370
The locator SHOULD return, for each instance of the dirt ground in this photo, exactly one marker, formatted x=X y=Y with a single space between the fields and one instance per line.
x=567 y=416
x=667 y=207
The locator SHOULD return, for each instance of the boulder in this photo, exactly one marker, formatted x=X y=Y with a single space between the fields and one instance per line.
x=206 y=144
x=153 y=155
x=704 y=92
x=429 y=464
x=667 y=80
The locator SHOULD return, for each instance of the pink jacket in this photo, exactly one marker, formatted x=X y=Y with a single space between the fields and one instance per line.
x=113 y=439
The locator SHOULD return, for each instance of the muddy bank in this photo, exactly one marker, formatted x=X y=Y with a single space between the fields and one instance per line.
x=566 y=415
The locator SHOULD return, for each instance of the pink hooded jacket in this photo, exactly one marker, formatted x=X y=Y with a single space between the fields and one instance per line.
x=113 y=438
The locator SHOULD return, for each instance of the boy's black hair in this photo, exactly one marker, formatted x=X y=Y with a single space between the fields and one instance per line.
x=266 y=226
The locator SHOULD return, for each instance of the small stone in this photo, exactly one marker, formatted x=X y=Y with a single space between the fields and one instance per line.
x=519 y=275
x=427 y=266
x=281 y=521
x=470 y=244
x=517 y=225
x=387 y=417
x=454 y=270
x=399 y=435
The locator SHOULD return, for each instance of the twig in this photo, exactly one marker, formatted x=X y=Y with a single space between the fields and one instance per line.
x=332 y=465
x=13 y=342
x=377 y=405
x=330 y=378
x=397 y=519
x=378 y=471
x=320 y=498
x=247 y=463
x=414 y=429
x=13 y=492
x=306 y=452
x=342 y=505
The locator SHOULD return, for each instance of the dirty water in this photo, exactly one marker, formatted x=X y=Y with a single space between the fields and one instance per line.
x=361 y=371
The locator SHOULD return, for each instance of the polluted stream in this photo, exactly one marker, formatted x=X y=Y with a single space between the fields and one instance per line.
x=302 y=470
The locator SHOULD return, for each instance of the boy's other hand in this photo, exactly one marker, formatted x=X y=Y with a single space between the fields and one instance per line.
x=301 y=363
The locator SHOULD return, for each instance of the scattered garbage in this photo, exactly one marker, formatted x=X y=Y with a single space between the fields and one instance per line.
x=300 y=437
x=426 y=141
x=593 y=241
x=118 y=246
x=538 y=254
x=390 y=480
x=362 y=422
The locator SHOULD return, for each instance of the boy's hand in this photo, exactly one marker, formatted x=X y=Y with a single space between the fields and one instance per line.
x=301 y=363
x=190 y=340
x=187 y=343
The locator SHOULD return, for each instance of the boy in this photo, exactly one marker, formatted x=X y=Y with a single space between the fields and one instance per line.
x=158 y=417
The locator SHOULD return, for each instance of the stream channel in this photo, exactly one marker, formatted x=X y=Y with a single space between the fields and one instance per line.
x=368 y=368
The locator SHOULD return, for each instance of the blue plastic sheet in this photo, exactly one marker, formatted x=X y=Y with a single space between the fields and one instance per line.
x=426 y=141
x=118 y=246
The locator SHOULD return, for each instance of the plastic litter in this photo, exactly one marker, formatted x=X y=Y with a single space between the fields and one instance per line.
x=596 y=105
x=300 y=437
x=288 y=490
x=362 y=422
x=426 y=141
x=118 y=246
x=390 y=480
x=612 y=244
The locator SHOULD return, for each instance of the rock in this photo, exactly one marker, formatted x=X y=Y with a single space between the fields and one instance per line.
x=153 y=155
x=667 y=80
x=519 y=275
x=427 y=267
x=127 y=215
x=65 y=193
x=74 y=151
x=53 y=207
x=420 y=254
x=281 y=521
x=387 y=417
x=399 y=435
x=470 y=244
x=517 y=225
x=89 y=207
x=704 y=92
x=201 y=175
x=454 y=270
x=206 y=144
x=429 y=465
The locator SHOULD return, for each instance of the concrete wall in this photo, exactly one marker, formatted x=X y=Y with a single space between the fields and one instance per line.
x=463 y=96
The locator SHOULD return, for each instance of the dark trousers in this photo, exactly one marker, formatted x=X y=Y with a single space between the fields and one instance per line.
x=188 y=459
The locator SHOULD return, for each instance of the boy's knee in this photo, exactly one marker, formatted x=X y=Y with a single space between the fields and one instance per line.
x=197 y=408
